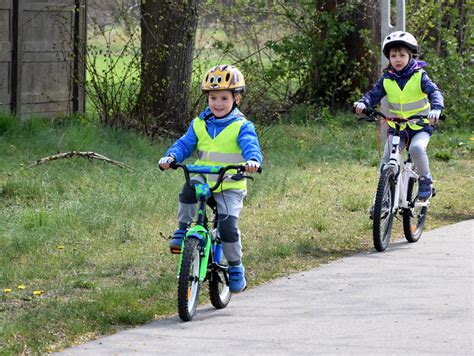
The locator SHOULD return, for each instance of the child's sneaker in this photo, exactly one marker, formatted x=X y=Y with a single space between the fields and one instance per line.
x=177 y=240
x=424 y=188
x=237 y=282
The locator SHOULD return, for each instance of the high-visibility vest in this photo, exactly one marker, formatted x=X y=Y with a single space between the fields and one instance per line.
x=223 y=150
x=407 y=102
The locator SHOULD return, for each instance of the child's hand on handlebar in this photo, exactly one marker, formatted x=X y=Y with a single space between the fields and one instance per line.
x=433 y=116
x=252 y=166
x=359 y=107
x=165 y=162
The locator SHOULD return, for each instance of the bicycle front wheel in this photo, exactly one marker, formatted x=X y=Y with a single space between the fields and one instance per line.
x=188 y=285
x=383 y=206
x=413 y=218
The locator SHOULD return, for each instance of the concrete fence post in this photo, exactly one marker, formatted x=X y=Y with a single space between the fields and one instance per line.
x=386 y=28
x=386 y=23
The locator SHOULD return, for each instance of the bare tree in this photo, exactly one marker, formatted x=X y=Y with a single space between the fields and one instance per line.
x=168 y=34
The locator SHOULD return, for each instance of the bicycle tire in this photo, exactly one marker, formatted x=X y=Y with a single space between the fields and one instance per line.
x=188 y=285
x=219 y=291
x=413 y=218
x=383 y=215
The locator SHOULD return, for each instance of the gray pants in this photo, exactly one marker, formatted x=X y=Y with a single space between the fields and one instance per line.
x=229 y=204
x=418 y=144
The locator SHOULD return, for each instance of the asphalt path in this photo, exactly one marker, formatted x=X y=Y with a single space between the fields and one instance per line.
x=412 y=299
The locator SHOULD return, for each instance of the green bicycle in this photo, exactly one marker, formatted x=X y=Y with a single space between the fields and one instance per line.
x=201 y=256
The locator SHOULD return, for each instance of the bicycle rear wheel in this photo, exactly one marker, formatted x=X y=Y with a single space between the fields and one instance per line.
x=188 y=285
x=383 y=215
x=219 y=291
x=413 y=218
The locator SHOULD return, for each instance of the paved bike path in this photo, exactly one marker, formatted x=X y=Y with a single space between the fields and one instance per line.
x=411 y=299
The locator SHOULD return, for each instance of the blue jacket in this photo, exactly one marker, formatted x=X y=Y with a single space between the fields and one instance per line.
x=372 y=97
x=247 y=139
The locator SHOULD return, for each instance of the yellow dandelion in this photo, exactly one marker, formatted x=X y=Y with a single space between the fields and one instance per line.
x=7 y=290
x=21 y=286
x=60 y=247
x=38 y=292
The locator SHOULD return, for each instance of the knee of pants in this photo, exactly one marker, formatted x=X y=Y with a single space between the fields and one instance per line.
x=417 y=151
x=228 y=228
x=187 y=195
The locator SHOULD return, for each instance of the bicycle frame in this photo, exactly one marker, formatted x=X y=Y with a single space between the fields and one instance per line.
x=395 y=189
x=201 y=248
x=403 y=171
x=208 y=241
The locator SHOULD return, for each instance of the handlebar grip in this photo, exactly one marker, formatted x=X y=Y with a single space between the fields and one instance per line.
x=368 y=110
x=174 y=165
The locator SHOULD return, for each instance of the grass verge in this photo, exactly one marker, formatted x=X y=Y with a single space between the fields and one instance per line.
x=84 y=243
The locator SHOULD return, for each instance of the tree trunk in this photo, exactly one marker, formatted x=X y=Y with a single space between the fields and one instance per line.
x=168 y=34
x=367 y=16
x=361 y=68
x=461 y=30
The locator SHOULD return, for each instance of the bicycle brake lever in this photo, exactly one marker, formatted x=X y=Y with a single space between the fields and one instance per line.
x=240 y=176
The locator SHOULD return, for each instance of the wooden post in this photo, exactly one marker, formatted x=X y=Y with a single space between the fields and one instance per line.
x=79 y=50
x=7 y=16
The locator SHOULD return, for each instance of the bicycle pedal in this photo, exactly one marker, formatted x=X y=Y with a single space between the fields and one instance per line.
x=175 y=251
x=419 y=203
x=433 y=192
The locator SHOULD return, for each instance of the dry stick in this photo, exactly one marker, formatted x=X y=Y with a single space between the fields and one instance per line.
x=90 y=155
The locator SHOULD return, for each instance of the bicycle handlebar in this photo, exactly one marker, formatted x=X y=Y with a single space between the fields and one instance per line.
x=217 y=170
x=372 y=114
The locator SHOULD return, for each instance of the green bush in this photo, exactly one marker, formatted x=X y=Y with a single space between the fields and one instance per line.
x=445 y=39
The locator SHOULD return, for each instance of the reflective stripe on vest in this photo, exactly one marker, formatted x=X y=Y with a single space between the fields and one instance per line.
x=223 y=150
x=221 y=157
x=407 y=102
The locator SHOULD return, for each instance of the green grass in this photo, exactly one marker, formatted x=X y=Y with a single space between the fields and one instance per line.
x=92 y=237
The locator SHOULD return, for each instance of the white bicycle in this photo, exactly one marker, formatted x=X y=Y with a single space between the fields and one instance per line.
x=397 y=189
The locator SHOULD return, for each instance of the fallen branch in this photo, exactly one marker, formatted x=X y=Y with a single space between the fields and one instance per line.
x=90 y=155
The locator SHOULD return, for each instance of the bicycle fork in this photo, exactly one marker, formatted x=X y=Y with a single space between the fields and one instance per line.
x=201 y=233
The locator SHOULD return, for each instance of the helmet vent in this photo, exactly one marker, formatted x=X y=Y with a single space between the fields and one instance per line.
x=227 y=77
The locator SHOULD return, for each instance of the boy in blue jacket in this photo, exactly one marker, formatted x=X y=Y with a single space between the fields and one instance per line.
x=409 y=92
x=222 y=136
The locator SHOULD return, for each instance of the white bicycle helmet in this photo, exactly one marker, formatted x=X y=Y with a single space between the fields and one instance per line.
x=399 y=38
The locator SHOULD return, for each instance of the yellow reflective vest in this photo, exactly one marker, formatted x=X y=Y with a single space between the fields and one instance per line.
x=223 y=150
x=407 y=102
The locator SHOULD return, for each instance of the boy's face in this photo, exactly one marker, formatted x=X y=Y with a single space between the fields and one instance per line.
x=220 y=102
x=399 y=58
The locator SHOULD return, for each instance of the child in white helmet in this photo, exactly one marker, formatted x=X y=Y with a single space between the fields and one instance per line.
x=409 y=92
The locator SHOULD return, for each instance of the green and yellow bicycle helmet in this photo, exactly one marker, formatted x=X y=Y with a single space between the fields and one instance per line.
x=223 y=77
